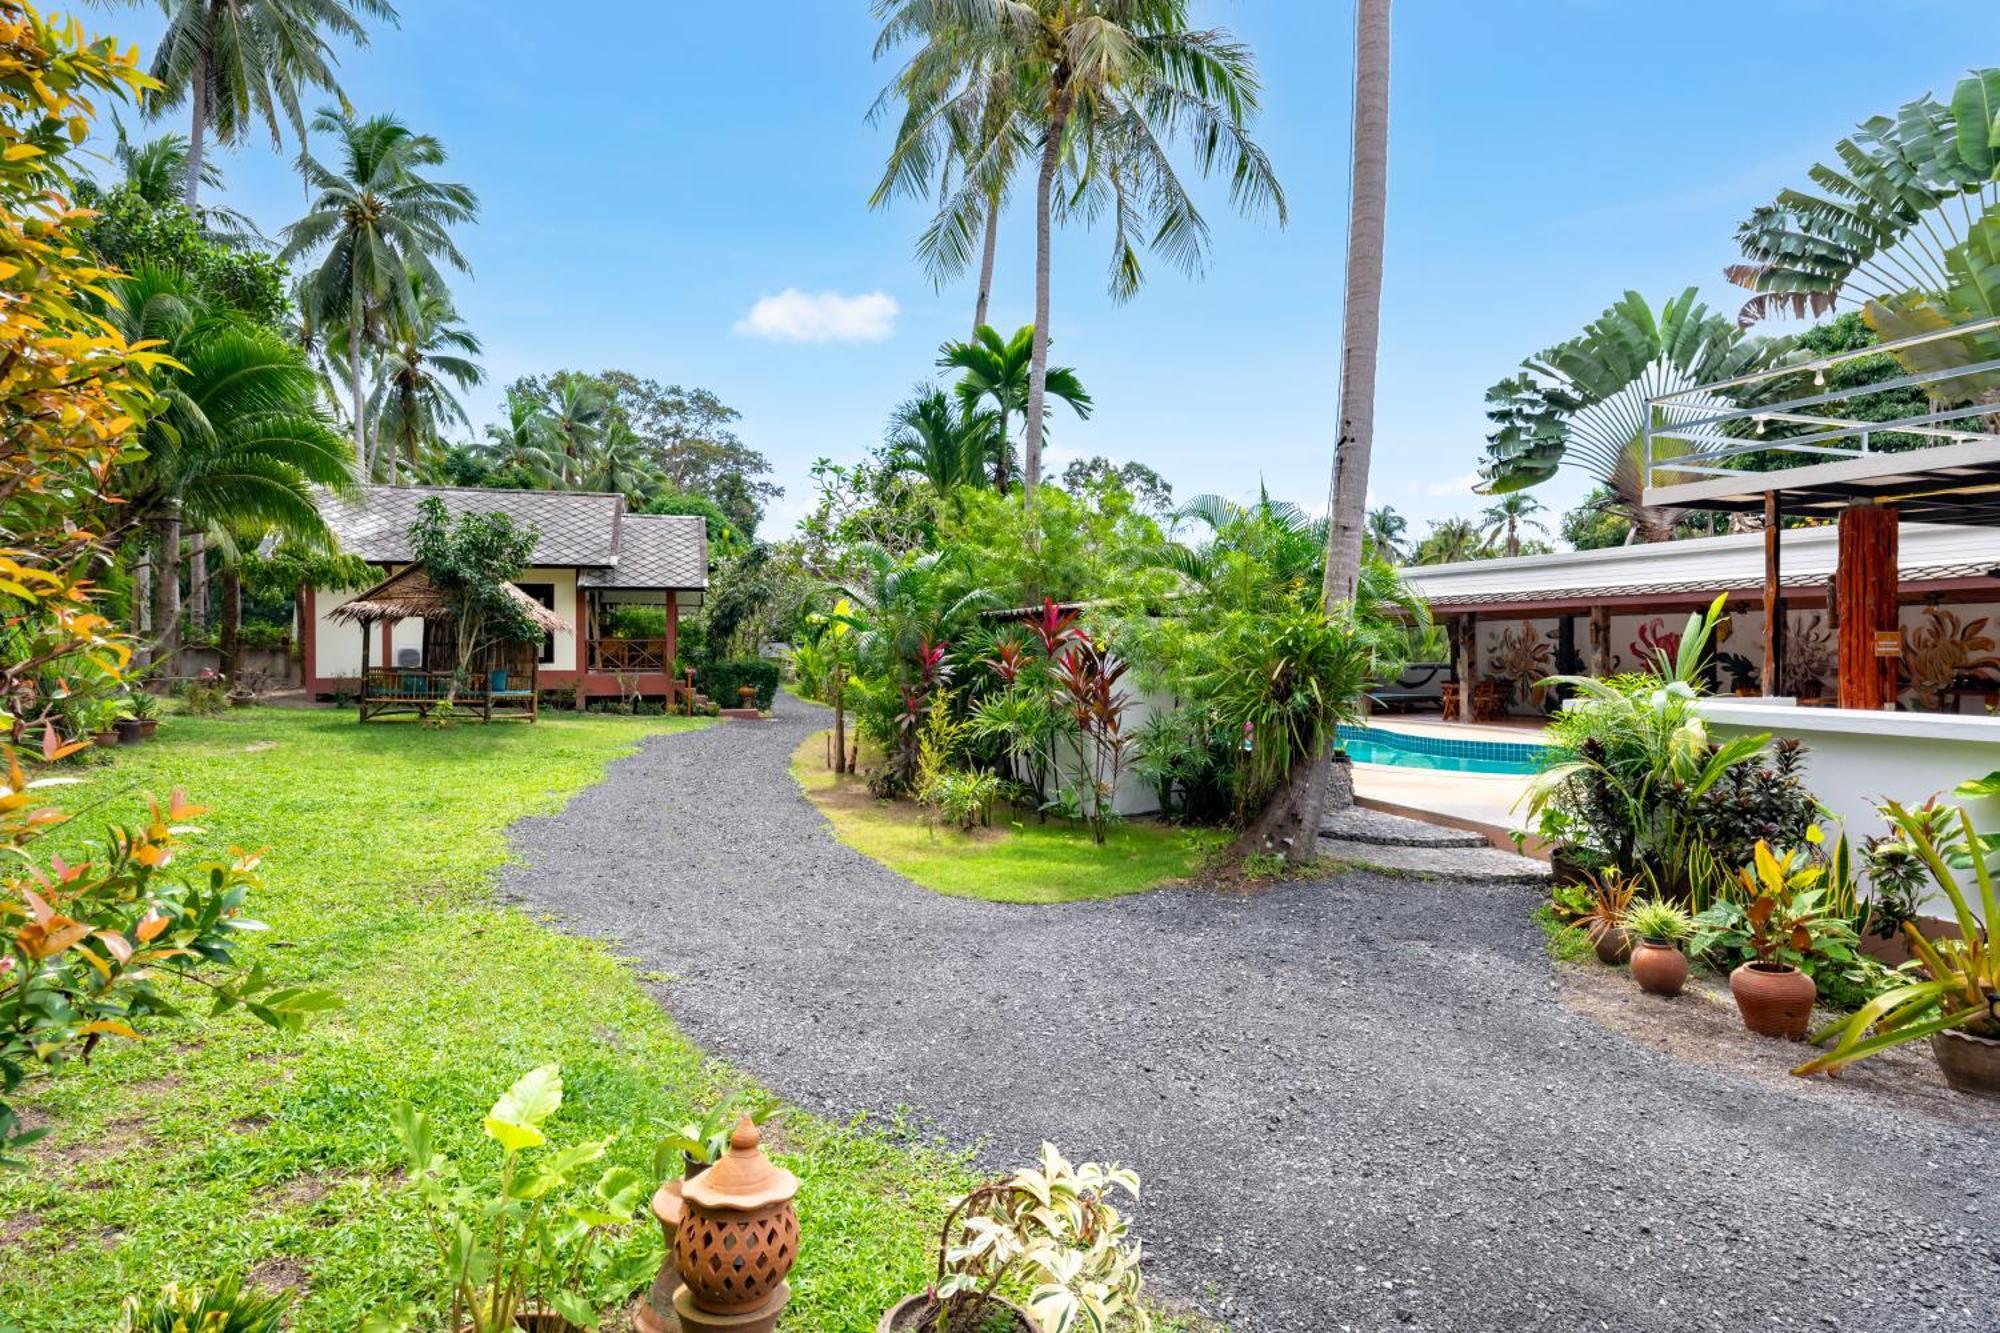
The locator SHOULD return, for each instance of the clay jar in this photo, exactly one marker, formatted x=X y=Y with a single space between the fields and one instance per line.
x=1613 y=943
x=1968 y=1062
x=1659 y=967
x=1775 y=999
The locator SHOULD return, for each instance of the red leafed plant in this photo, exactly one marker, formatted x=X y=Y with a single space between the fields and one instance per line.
x=1089 y=678
x=82 y=943
x=1053 y=626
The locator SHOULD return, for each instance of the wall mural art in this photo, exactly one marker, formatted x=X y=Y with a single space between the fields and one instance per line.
x=1655 y=638
x=1941 y=650
x=1812 y=658
x=1523 y=657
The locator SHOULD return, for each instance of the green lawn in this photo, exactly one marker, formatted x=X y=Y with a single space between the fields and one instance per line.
x=1017 y=861
x=220 y=1145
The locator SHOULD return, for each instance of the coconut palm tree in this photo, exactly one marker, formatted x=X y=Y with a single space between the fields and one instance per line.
x=578 y=416
x=1585 y=402
x=995 y=370
x=428 y=354
x=1107 y=88
x=1505 y=518
x=523 y=443
x=621 y=462
x=239 y=443
x=244 y=62
x=156 y=171
x=378 y=223
x=948 y=444
x=1385 y=533
x=1452 y=540
x=960 y=139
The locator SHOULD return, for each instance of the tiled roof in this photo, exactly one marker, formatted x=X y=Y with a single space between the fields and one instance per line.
x=587 y=531
x=1703 y=565
x=656 y=551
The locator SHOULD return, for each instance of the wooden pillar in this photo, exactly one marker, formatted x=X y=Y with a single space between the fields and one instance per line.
x=361 y=698
x=1468 y=664
x=1865 y=583
x=673 y=631
x=1774 y=599
x=1600 y=641
x=1567 y=662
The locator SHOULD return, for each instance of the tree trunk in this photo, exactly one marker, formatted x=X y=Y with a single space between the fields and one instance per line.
x=986 y=266
x=231 y=640
x=367 y=456
x=142 y=603
x=198 y=129
x=167 y=590
x=1289 y=824
x=839 y=720
x=1348 y=516
x=1363 y=304
x=1002 y=472
x=197 y=597
x=1038 y=365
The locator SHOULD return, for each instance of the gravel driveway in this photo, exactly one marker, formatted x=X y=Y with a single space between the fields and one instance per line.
x=1355 y=1105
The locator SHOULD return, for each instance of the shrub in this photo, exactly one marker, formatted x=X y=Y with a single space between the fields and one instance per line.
x=82 y=943
x=223 y=1308
x=1658 y=919
x=207 y=697
x=962 y=799
x=721 y=681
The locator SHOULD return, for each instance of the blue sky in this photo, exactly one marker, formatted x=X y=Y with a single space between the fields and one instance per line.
x=652 y=169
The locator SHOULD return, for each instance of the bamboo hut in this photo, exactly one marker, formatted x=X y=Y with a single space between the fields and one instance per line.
x=505 y=677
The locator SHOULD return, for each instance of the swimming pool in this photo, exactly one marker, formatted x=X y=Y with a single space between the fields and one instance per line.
x=1402 y=749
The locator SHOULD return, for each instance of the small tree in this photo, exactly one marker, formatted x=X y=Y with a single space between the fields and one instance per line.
x=471 y=561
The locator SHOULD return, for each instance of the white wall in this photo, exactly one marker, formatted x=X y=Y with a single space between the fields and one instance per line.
x=337 y=646
x=1854 y=760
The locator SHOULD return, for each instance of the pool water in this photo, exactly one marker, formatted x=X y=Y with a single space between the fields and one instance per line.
x=1400 y=749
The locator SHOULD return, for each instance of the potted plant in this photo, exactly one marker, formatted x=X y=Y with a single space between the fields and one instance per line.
x=1659 y=927
x=1055 y=1226
x=1779 y=916
x=222 y=1308
x=1957 y=1005
x=98 y=718
x=526 y=1247
x=1608 y=895
x=145 y=709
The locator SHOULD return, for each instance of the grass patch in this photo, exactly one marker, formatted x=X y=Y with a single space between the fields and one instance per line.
x=1566 y=943
x=1017 y=861
x=220 y=1146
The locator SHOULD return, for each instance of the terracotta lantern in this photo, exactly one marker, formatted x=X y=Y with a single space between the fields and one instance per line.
x=656 y=1315
x=738 y=1238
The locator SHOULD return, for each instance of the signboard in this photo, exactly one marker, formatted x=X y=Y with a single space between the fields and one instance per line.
x=1888 y=643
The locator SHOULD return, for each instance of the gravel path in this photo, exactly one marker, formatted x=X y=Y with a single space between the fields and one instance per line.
x=1355 y=1105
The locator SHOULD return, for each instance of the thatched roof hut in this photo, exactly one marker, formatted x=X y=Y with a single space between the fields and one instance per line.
x=410 y=595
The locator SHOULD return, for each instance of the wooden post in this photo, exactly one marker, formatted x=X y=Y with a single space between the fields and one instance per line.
x=1468 y=664
x=1774 y=600
x=1600 y=641
x=363 y=697
x=1865 y=580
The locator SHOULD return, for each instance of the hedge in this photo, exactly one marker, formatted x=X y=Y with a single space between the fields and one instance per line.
x=720 y=681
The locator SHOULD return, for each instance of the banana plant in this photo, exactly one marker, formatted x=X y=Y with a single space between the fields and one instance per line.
x=1962 y=992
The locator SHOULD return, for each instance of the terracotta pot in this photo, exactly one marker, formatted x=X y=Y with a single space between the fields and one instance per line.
x=1613 y=943
x=147 y=726
x=1659 y=967
x=1895 y=951
x=657 y=1314
x=1969 y=1064
x=1565 y=869
x=1774 y=999
x=107 y=739
x=907 y=1316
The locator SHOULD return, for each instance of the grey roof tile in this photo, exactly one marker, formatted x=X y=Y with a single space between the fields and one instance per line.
x=588 y=531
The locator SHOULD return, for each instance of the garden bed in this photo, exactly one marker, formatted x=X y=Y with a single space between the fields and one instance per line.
x=1016 y=858
x=219 y=1146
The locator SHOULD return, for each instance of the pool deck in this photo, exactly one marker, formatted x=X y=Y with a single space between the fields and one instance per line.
x=1482 y=802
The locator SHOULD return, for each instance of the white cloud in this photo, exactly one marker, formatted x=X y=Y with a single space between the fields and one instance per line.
x=1455 y=486
x=793 y=316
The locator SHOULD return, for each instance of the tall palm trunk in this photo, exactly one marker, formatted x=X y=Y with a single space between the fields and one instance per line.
x=1290 y=824
x=355 y=333
x=197 y=133
x=167 y=590
x=197 y=594
x=231 y=638
x=1361 y=337
x=986 y=267
x=1003 y=466
x=1038 y=361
